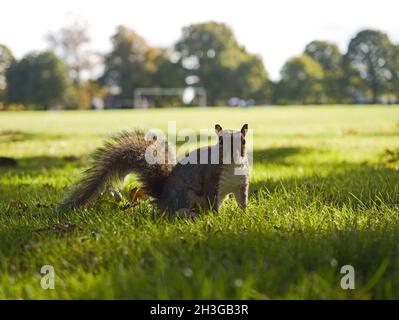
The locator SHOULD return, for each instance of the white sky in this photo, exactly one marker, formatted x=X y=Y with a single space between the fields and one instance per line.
x=274 y=29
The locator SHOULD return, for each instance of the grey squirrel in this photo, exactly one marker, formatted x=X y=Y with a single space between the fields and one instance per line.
x=180 y=188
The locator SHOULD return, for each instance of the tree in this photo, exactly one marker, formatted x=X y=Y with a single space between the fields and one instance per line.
x=211 y=54
x=39 y=79
x=331 y=60
x=6 y=58
x=251 y=80
x=169 y=73
x=301 y=81
x=397 y=68
x=69 y=43
x=371 y=63
x=131 y=63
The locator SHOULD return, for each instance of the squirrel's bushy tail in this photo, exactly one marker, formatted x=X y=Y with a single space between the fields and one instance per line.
x=119 y=156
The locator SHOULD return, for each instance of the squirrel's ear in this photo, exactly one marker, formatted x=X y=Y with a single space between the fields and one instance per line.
x=218 y=128
x=244 y=129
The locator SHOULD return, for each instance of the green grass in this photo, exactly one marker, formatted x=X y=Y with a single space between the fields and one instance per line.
x=324 y=193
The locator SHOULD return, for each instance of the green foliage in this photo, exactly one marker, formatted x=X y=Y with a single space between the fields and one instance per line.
x=69 y=44
x=168 y=73
x=76 y=97
x=321 y=197
x=6 y=58
x=39 y=79
x=131 y=63
x=251 y=81
x=210 y=52
x=208 y=55
x=301 y=81
x=331 y=60
x=371 y=64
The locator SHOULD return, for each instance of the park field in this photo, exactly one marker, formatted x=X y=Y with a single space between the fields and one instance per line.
x=324 y=193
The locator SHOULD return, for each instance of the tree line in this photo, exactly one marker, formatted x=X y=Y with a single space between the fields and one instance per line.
x=206 y=55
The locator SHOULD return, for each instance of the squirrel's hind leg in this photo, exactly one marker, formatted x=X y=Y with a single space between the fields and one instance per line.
x=242 y=196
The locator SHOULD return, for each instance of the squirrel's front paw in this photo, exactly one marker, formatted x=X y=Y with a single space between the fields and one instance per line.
x=186 y=213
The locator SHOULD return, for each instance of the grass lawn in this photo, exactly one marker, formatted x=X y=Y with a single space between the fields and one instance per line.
x=324 y=193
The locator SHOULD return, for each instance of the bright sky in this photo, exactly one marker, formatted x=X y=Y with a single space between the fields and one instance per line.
x=274 y=29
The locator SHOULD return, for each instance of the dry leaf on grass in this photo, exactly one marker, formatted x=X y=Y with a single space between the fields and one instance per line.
x=137 y=194
x=18 y=204
x=58 y=227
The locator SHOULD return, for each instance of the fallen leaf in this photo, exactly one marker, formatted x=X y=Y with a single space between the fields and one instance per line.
x=392 y=166
x=59 y=227
x=137 y=194
x=63 y=226
x=351 y=131
x=18 y=204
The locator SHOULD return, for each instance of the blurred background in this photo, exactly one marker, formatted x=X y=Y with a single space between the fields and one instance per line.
x=141 y=54
x=324 y=185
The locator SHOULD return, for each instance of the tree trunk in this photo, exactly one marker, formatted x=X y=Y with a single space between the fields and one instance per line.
x=374 y=90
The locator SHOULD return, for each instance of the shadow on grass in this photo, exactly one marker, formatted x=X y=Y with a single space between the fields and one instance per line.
x=33 y=176
x=339 y=184
x=278 y=155
x=239 y=249
x=259 y=255
x=272 y=263
x=34 y=166
x=19 y=136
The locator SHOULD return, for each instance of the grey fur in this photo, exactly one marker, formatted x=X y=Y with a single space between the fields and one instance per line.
x=119 y=156
x=185 y=186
